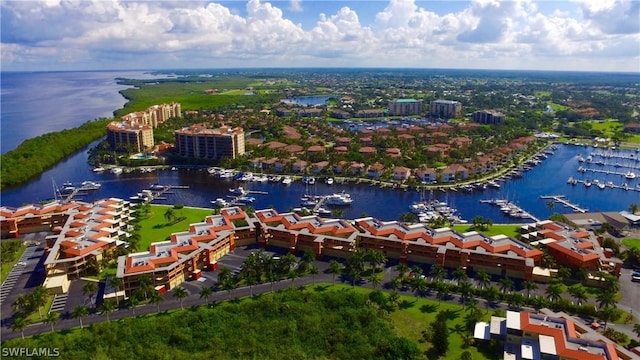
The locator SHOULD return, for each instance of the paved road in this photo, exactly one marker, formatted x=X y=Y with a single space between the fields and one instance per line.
x=233 y=261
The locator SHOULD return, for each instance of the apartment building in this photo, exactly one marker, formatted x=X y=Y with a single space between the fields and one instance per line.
x=548 y=335
x=401 y=107
x=154 y=115
x=445 y=108
x=198 y=141
x=574 y=248
x=132 y=136
x=167 y=264
x=82 y=234
x=490 y=117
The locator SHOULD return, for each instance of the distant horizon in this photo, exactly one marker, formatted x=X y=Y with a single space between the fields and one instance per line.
x=527 y=35
x=161 y=70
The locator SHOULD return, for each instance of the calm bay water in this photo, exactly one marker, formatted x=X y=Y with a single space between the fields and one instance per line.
x=546 y=179
x=37 y=103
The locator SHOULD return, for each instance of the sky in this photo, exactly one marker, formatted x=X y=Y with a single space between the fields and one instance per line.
x=584 y=35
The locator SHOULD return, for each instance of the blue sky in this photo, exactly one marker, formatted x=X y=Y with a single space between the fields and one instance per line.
x=591 y=35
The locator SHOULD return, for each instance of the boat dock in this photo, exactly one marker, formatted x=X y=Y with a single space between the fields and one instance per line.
x=561 y=199
x=510 y=209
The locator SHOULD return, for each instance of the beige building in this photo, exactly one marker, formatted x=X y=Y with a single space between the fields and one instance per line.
x=154 y=115
x=198 y=141
x=405 y=107
x=445 y=108
x=130 y=135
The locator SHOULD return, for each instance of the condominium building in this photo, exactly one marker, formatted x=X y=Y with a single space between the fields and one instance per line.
x=167 y=264
x=154 y=115
x=131 y=136
x=198 y=141
x=527 y=335
x=400 y=107
x=83 y=233
x=445 y=108
x=488 y=117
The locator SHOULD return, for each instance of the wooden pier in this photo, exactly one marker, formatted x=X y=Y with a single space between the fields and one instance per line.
x=561 y=199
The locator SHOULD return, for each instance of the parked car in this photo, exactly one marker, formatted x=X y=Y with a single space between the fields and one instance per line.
x=635 y=276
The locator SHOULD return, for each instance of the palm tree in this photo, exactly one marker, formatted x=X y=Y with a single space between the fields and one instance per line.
x=156 y=298
x=636 y=329
x=227 y=284
x=579 y=293
x=224 y=273
x=334 y=268
x=18 y=324
x=465 y=288
x=132 y=303
x=116 y=283
x=375 y=280
x=107 y=307
x=21 y=303
x=145 y=284
x=459 y=275
x=506 y=285
x=79 y=312
x=180 y=293
x=39 y=298
x=483 y=279
x=402 y=269
x=89 y=288
x=169 y=215
x=633 y=208
x=554 y=292
x=51 y=318
x=437 y=273
x=607 y=299
x=205 y=292
x=529 y=286
x=313 y=270
x=419 y=286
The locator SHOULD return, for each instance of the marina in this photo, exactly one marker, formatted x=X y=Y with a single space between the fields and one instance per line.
x=386 y=203
x=561 y=200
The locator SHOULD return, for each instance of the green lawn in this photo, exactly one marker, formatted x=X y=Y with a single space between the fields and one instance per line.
x=5 y=266
x=631 y=243
x=155 y=228
x=509 y=230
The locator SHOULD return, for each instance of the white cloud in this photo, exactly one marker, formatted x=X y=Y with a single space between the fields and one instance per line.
x=404 y=33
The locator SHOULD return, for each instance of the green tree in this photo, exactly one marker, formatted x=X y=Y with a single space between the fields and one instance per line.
x=440 y=335
x=530 y=286
x=116 y=283
x=52 y=318
x=579 y=293
x=170 y=215
x=483 y=279
x=180 y=293
x=132 y=302
x=506 y=285
x=205 y=293
x=19 y=324
x=79 y=312
x=334 y=268
x=156 y=298
x=107 y=307
x=554 y=292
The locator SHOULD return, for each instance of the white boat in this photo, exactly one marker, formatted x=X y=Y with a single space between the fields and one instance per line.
x=237 y=191
x=601 y=186
x=339 y=199
x=494 y=184
x=287 y=180
x=156 y=187
x=587 y=183
x=226 y=174
x=246 y=199
x=630 y=175
x=98 y=169
x=116 y=170
x=211 y=170
x=323 y=211
x=90 y=185
x=220 y=202
x=329 y=181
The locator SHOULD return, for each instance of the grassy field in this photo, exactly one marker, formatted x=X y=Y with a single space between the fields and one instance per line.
x=509 y=230
x=557 y=107
x=156 y=228
x=631 y=243
x=415 y=314
x=5 y=266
